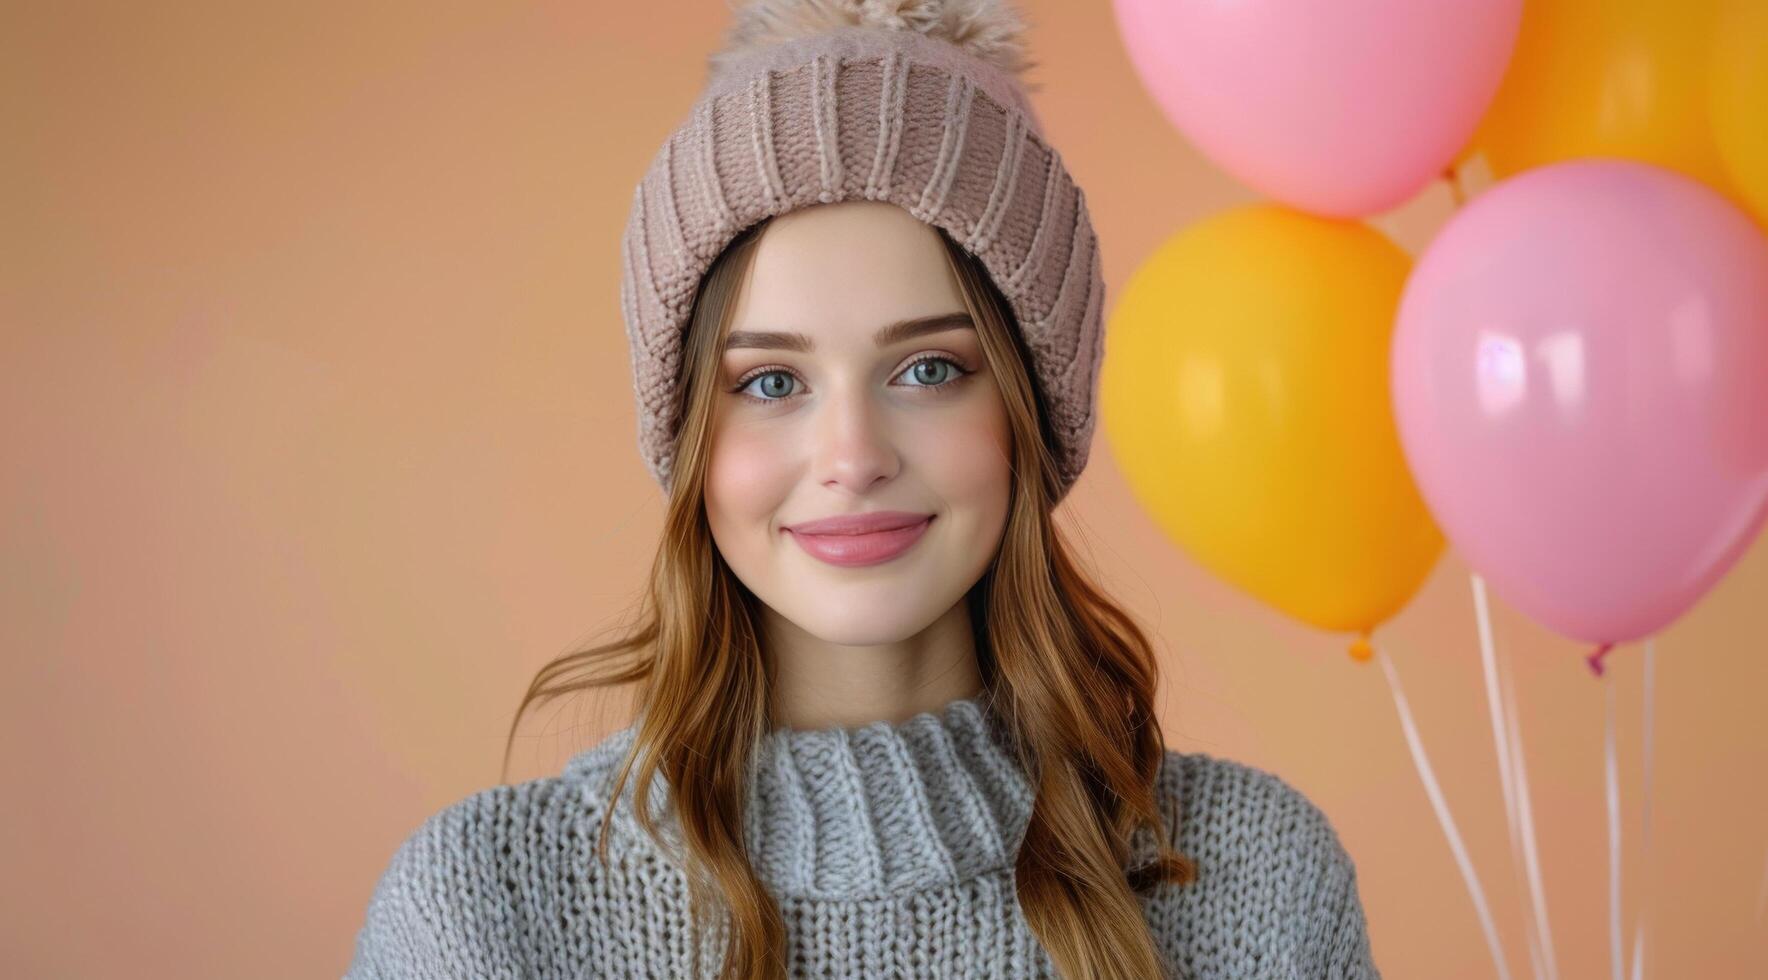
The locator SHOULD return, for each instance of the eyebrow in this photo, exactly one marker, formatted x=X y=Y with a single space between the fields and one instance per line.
x=889 y=334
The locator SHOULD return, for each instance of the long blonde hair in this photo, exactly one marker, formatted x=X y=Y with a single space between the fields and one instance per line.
x=1068 y=671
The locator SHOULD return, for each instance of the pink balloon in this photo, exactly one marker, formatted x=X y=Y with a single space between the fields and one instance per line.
x=1337 y=107
x=1580 y=381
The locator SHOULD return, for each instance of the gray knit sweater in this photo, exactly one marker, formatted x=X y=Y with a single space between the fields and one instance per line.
x=890 y=850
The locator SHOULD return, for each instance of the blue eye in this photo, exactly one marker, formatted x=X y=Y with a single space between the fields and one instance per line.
x=925 y=370
x=915 y=369
x=775 y=395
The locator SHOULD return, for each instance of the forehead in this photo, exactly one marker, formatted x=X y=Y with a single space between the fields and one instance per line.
x=841 y=270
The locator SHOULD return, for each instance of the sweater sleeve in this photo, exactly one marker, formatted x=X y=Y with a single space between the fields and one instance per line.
x=1340 y=931
x=432 y=914
x=393 y=936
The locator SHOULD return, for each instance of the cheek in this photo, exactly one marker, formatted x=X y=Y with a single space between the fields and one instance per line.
x=965 y=455
x=745 y=476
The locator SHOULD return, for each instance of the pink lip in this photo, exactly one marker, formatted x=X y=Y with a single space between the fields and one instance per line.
x=868 y=538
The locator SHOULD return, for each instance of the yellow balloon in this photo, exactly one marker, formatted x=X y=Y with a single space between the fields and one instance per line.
x=1738 y=98
x=1245 y=396
x=1624 y=78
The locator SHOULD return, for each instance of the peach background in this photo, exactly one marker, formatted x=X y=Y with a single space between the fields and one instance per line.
x=318 y=441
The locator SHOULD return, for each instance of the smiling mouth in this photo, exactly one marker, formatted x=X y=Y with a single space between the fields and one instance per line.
x=855 y=550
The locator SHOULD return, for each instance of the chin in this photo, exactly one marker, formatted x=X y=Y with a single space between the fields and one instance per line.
x=863 y=622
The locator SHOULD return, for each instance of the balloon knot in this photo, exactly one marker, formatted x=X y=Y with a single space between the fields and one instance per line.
x=1453 y=177
x=1595 y=659
x=1361 y=650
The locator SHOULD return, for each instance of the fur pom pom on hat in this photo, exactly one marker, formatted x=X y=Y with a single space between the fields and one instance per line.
x=989 y=30
x=914 y=102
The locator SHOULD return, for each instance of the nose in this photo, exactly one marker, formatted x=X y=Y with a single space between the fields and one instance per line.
x=855 y=446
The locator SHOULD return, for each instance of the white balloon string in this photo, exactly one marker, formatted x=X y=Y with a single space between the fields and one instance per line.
x=1441 y=807
x=1645 y=894
x=1506 y=757
x=1525 y=805
x=1614 y=828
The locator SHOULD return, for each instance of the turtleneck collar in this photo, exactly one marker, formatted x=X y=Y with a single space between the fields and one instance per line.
x=854 y=811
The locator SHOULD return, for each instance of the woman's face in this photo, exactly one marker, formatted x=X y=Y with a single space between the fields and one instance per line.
x=834 y=423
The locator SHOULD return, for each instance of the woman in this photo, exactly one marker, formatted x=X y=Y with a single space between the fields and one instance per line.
x=885 y=724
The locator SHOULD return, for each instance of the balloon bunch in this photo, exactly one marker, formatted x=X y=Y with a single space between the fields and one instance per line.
x=1245 y=388
x=1569 y=385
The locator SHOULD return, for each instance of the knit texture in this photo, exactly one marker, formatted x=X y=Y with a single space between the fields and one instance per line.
x=877 y=114
x=890 y=850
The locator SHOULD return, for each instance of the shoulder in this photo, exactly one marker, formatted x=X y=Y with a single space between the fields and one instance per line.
x=466 y=889
x=433 y=911
x=1232 y=811
x=1274 y=884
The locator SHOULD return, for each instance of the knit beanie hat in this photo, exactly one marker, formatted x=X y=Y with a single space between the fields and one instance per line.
x=914 y=102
